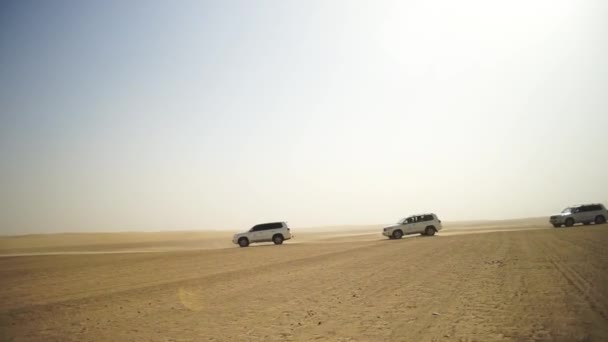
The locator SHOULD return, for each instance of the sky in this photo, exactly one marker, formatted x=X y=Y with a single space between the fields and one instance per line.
x=191 y=115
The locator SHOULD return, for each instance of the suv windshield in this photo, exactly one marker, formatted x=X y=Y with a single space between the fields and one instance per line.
x=566 y=211
x=402 y=221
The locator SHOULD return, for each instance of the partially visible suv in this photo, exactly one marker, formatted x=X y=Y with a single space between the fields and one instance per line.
x=276 y=232
x=584 y=214
x=425 y=224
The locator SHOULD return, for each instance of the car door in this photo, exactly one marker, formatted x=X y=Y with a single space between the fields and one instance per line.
x=591 y=211
x=578 y=214
x=266 y=232
x=269 y=231
x=410 y=226
x=255 y=234
x=420 y=224
x=425 y=222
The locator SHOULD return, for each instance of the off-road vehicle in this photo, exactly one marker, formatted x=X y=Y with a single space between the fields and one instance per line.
x=425 y=224
x=276 y=232
x=585 y=214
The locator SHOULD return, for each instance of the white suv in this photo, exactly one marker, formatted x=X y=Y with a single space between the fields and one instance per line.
x=276 y=232
x=584 y=214
x=425 y=224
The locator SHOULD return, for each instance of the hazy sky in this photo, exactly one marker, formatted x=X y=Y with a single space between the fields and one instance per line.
x=161 y=115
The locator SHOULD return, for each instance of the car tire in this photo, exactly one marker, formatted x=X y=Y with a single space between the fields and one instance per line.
x=599 y=219
x=555 y=225
x=397 y=234
x=430 y=231
x=569 y=222
x=243 y=242
x=277 y=239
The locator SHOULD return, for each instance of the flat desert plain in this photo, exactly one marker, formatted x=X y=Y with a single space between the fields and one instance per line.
x=479 y=281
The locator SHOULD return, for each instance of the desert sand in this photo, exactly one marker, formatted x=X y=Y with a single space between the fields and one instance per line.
x=512 y=280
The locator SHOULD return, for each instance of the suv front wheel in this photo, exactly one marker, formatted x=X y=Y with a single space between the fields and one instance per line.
x=570 y=222
x=397 y=234
x=243 y=242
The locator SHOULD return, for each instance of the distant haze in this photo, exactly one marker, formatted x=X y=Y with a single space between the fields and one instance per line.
x=159 y=115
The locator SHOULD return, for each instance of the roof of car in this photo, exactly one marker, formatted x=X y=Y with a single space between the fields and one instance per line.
x=582 y=205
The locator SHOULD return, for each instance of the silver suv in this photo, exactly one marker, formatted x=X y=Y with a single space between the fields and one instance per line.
x=585 y=214
x=275 y=232
x=424 y=224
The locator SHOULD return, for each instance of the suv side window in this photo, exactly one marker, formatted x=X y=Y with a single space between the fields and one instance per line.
x=269 y=226
x=275 y=225
x=428 y=217
x=594 y=207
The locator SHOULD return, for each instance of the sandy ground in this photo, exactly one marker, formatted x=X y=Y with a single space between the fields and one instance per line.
x=517 y=282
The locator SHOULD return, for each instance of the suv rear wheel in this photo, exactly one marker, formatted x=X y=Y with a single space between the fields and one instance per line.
x=243 y=242
x=569 y=222
x=430 y=231
x=599 y=219
x=277 y=239
x=397 y=234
